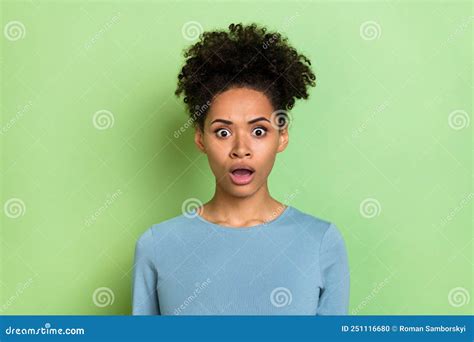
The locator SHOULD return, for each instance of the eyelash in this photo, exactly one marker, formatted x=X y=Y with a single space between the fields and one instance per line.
x=259 y=127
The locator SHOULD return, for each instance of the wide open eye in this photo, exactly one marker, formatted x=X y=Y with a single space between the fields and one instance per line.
x=259 y=131
x=222 y=133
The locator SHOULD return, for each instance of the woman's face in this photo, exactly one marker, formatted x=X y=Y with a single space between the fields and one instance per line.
x=239 y=133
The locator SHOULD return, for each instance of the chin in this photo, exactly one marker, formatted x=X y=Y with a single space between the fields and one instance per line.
x=242 y=191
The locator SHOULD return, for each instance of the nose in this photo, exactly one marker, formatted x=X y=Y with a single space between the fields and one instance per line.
x=240 y=149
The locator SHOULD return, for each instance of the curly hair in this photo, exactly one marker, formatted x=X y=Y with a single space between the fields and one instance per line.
x=244 y=56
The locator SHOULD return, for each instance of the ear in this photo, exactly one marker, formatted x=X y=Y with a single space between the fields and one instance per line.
x=199 y=139
x=283 y=140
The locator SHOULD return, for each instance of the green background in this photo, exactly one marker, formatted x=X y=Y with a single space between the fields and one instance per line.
x=388 y=123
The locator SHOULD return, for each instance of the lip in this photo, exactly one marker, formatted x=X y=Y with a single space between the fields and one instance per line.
x=241 y=166
x=241 y=180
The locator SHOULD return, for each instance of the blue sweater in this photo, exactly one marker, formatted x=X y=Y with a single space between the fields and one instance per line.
x=295 y=264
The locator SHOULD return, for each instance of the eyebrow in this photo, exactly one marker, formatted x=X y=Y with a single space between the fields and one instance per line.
x=249 y=122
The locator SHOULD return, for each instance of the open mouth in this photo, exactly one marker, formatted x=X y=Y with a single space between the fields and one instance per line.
x=241 y=176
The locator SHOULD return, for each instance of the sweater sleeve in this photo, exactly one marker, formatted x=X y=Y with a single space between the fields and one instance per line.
x=145 y=277
x=335 y=275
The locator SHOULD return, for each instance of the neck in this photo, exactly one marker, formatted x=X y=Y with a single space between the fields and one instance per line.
x=233 y=210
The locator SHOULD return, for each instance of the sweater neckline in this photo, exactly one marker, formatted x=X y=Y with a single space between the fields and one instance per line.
x=249 y=228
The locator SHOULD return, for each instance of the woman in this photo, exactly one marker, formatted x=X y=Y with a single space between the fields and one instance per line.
x=243 y=252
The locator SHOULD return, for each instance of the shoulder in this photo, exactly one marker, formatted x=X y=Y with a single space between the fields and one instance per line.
x=156 y=231
x=320 y=229
x=313 y=225
x=169 y=224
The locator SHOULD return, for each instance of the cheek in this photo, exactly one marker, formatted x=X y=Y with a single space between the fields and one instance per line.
x=265 y=155
x=267 y=146
x=216 y=157
x=265 y=149
x=267 y=163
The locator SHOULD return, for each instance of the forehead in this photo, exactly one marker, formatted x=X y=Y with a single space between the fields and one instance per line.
x=240 y=104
